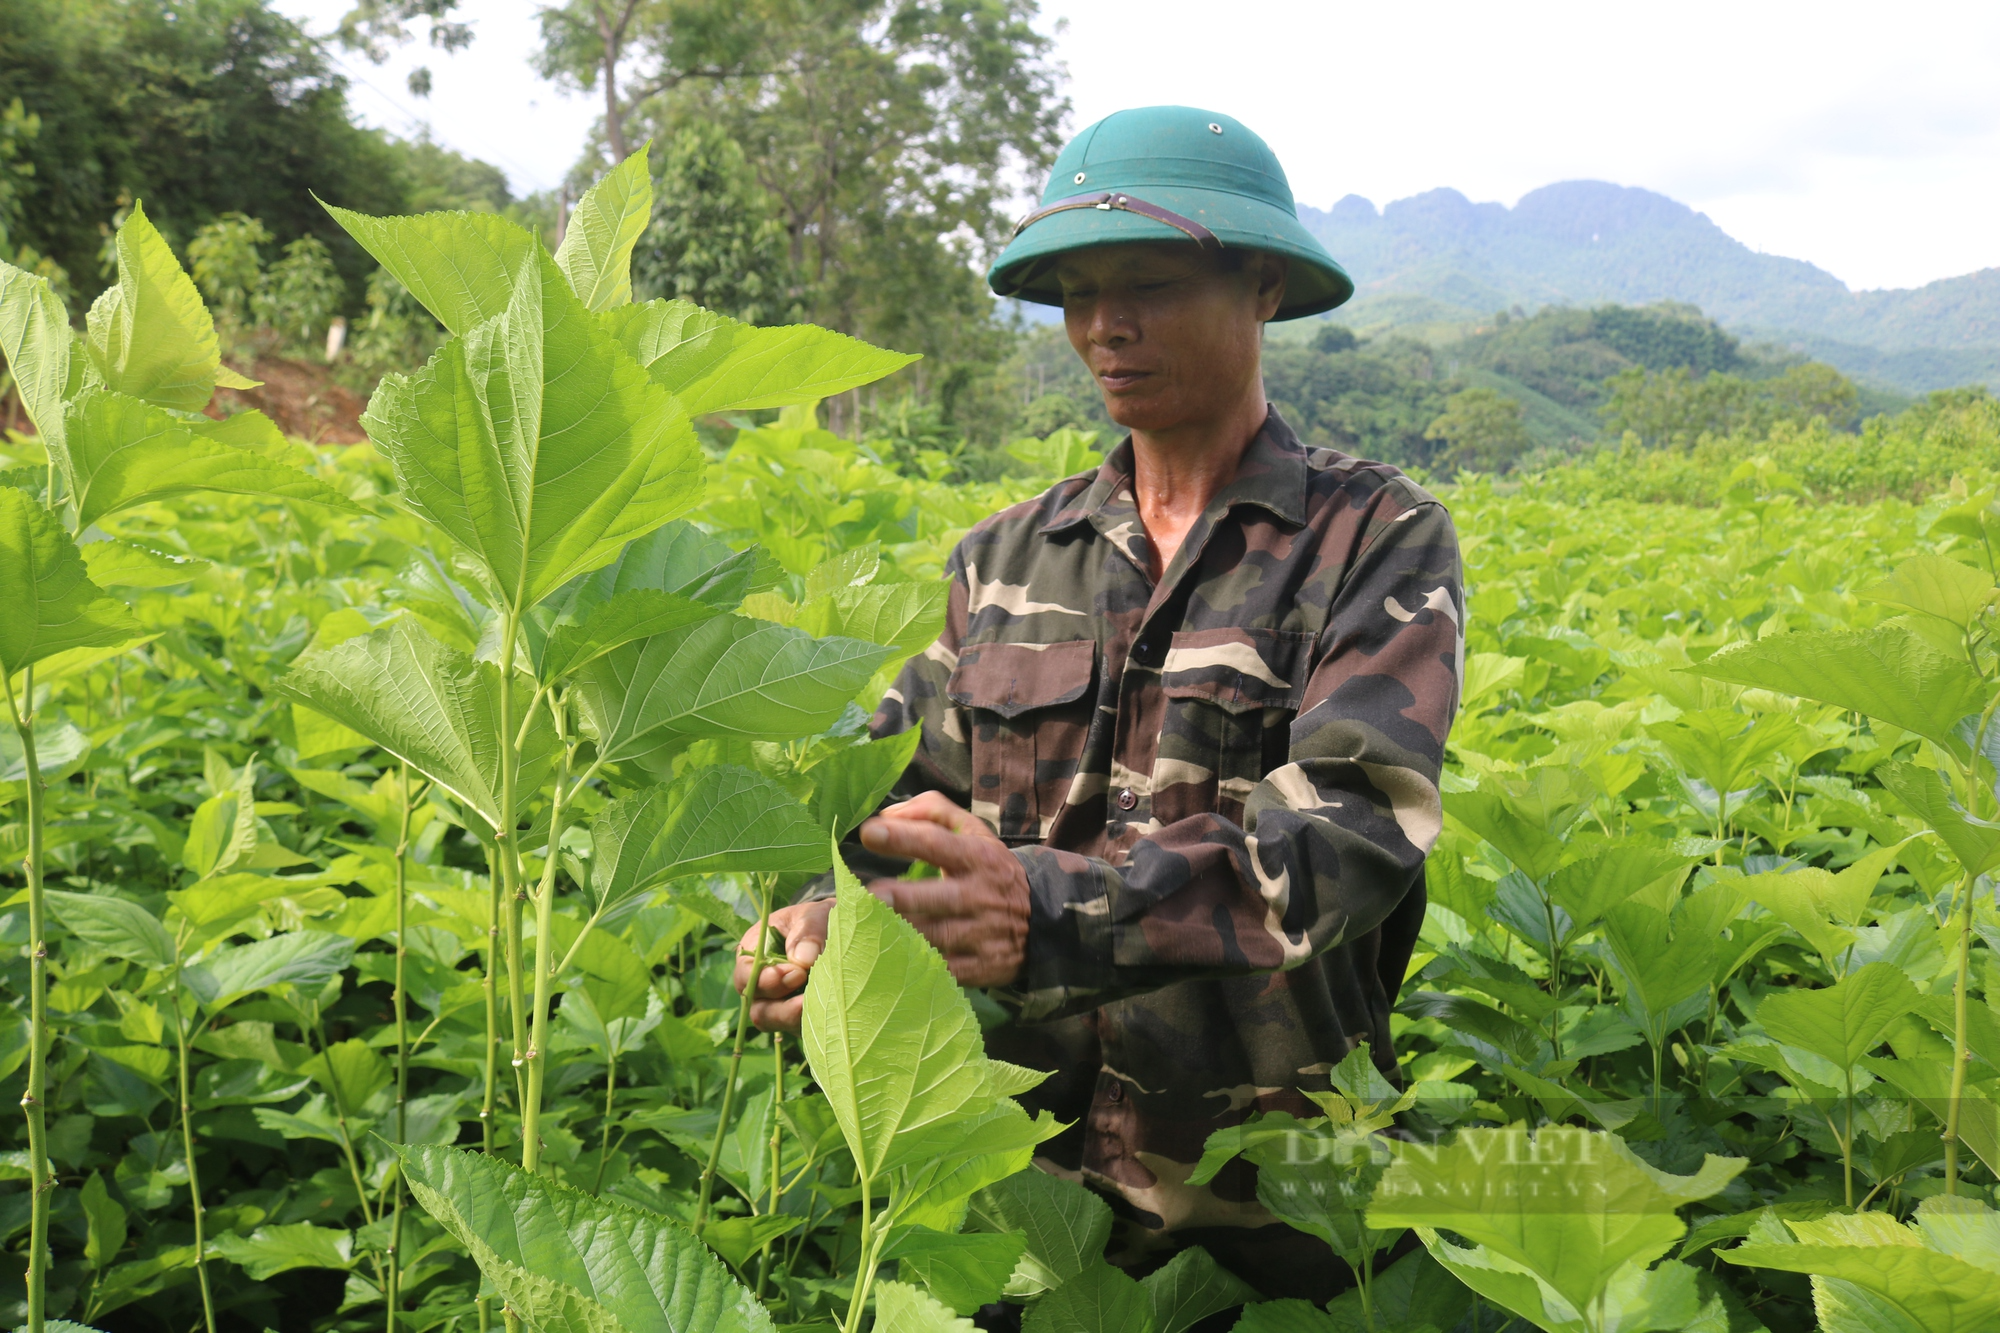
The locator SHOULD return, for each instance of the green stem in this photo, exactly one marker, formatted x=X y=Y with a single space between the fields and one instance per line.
x=1555 y=974
x=34 y=1102
x=340 y=1120
x=1961 y=1056
x=777 y=1152
x=402 y=1047
x=492 y=987
x=507 y=842
x=610 y=1094
x=187 y=1149
x=735 y=1056
x=545 y=971
x=1847 y=1145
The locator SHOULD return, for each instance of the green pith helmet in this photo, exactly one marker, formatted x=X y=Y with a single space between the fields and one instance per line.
x=1168 y=173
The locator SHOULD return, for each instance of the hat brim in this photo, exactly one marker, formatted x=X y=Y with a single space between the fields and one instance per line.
x=1026 y=268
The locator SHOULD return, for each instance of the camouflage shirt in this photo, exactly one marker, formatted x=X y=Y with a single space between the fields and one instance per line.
x=1221 y=786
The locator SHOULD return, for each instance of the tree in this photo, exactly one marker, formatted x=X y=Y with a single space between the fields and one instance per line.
x=583 y=44
x=372 y=27
x=715 y=238
x=1482 y=429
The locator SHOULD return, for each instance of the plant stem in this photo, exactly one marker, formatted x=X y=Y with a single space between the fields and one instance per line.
x=1847 y=1144
x=34 y=1101
x=1960 y=1055
x=492 y=986
x=340 y=1119
x=736 y=1054
x=545 y=968
x=187 y=1147
x=610 y=1093
x=777 y=1152
x=402 y=1045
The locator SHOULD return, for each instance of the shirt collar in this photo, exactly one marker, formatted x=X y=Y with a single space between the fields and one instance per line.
x=1272 y=475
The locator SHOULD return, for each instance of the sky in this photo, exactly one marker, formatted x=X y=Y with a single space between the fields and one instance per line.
x=1864 y=138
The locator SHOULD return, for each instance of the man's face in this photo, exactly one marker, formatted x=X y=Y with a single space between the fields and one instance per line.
x=1171 y=333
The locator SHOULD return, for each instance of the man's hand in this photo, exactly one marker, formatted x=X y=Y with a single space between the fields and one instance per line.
x=976 y=915
x=780 y=1000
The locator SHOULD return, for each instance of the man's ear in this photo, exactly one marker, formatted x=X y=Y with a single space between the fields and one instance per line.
x=1272 y=271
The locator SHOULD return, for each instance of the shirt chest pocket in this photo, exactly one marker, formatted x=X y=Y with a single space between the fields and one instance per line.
x=1030 y=708
x=1232 y=694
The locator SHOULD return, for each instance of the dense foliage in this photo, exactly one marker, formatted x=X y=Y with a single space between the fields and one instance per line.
x=388 y=818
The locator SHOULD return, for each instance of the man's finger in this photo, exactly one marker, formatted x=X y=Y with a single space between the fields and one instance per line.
x=936 y=808
x=922 y=841
x=915 y=898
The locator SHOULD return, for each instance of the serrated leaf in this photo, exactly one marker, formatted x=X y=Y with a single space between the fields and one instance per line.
x=460 y=266
x=1190 y=1288
x=429 y=705
x=1571 y=1207
x=712 y=363
x=1066 y=1224
x=1842 y=1022
x=306 y=959
x=904 y=616
x=893 y=1043
x=964 y=1271
x=37 y=341
x=613 y=623
x=1660 y=968
x=121 y=928
x=149 y=335
x=120 y=452
x=1101 y=1299
x=711 y=821
x=596 y=249
x=850 y=569
x=850 y=783
x=351 y=1071
x=1975 y=842
x=1887 y=673
x=730 y=676
x=1589 y=888
x=535 y=442
x=563 y=1260
x=123 y=564
x=901 y=1308
x=1935 y=585
x=269 y=1251
x=48 y=604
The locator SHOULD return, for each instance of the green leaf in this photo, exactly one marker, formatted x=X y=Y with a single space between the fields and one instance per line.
x=901 y=1308
x=1416 y=1292
x=714 y=820
x=1887 y=673
x=120 y=928
x=965 y=1270
x=60 y=749
x=1480 y=1022
x=1634 y=1299
x=563 y=1260
x=429 y=705
x=351 y=1071
x=1286 y=1316
x=1101 y=1299
x=535 y=443
x=596 y=249
x=737 y=1239
x=1190 y=1288
x=306 y=959
x=677 y=557
x=715 y=364
x=123 y=564
x=905 y=616
x=104 y=1221
x=1066 y=1224
x=1810 y=899
x=1872 y=1274
x=893 y=1043
x=1975 y=842
x=1842 y=1022
x=1589 y=888
x=730 y=676
x=223 y=832
x=613 y=623
x=269 y=1251
x=1571 y=1207
x=36 y=339
x=48 y=604
x=1662 y=970
x=1721 y=746
x=1063 y=453
x=460 y=266
x=120 y=452
x=850 y=783
x=853 y=568
x=149 y=334
x=1935 y=585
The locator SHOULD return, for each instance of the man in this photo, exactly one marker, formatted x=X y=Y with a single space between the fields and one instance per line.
x=1183 y=729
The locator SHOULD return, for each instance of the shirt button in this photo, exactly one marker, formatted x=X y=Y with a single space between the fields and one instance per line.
x=1127 y=799
x=1115 y=1093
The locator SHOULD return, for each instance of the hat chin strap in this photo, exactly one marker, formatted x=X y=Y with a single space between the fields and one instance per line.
x=1113 y=199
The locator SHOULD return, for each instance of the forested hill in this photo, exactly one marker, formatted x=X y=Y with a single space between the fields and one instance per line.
x=1439 y=258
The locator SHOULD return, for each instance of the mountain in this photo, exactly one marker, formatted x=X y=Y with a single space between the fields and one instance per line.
x=1440 y=259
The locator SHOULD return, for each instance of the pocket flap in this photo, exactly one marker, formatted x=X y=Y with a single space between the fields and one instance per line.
x=1011 y=678
x=1239 y=669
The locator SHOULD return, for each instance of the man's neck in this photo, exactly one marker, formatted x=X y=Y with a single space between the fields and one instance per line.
x=1177 y=472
